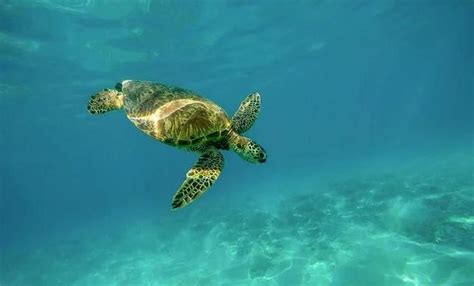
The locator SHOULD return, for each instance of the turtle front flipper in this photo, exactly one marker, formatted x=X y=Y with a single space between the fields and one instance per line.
x=247 y=113
x=200 y=178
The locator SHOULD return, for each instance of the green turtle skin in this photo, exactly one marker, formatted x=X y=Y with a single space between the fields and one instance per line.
x=175 y=116
x=183 y=119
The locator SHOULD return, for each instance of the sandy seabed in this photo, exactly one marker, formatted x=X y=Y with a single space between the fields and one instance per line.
x=412 y=226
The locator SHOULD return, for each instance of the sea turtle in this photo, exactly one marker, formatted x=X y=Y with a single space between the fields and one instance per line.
x=183 y=119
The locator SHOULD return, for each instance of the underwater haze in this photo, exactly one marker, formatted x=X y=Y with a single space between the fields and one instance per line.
x=367 y=119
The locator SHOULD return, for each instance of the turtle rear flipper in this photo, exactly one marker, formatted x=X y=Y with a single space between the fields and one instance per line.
x=200 y=178
x=247 y=113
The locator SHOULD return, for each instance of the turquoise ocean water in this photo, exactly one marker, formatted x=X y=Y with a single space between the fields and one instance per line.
x=367 y=118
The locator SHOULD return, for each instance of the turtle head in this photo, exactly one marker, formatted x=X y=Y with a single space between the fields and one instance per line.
x=254 y=153
x=104 y=101
x=247 y=149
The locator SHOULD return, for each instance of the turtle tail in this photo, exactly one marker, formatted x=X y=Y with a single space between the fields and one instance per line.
x=105 y=101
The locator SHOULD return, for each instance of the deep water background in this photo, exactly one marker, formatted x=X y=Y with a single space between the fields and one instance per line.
x=367 y=118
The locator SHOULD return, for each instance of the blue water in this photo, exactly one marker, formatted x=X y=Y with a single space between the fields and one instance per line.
x=367 y=118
